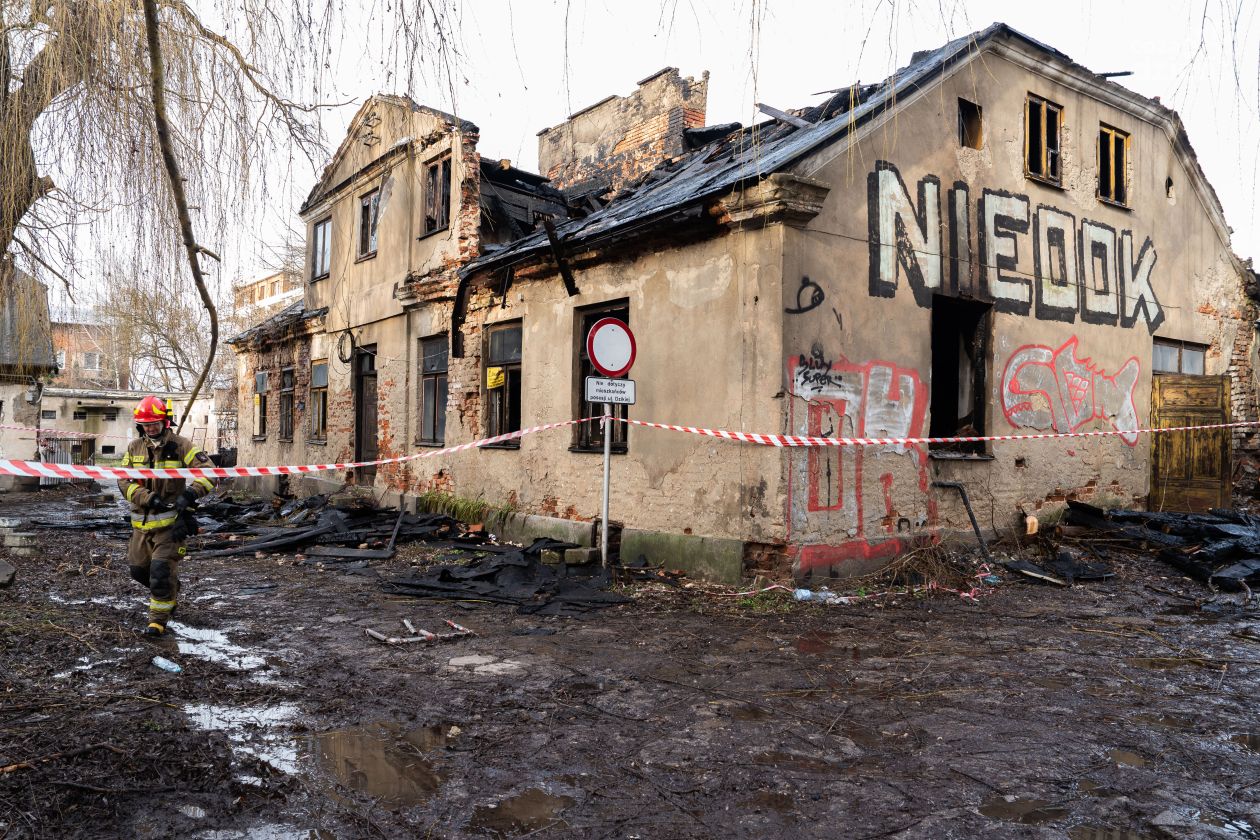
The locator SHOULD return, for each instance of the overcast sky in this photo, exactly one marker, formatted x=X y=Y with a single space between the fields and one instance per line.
x=524 y=67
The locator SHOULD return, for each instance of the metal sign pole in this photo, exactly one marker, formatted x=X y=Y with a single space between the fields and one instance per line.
x=603 y=528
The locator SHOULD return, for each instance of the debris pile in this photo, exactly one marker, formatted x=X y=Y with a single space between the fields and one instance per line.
x=1219 y=548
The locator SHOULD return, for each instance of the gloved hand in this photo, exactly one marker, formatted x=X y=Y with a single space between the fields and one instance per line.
x=155 y=504
x=186 y=500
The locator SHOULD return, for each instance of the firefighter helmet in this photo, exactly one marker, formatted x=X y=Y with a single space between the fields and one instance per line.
x=153 y=410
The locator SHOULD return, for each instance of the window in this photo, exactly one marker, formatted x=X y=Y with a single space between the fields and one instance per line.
x=1178 y=357
x=970 y=125
x=1113 y=165
x=260 y=405
x=111 y=415
x=433 y=390
x=369 y=207
x=107 y=449
x=503 y=381
x=319 y=400
x=286 y=404
x=91 y=361
x=960 y=349
x=321 y=249
x=590 y=435
x=48 y=414
x=437 y=195
x=1041 y=139
x=79 y=414
x=275 y=287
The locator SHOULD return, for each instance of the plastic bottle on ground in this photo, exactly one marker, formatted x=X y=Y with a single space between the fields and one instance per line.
x=167 y=665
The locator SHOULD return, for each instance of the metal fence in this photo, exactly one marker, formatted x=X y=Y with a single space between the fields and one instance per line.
x=55 y=450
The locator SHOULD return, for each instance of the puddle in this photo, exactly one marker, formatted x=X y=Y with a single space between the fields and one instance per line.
x=1164 y=721
x=270 y=831
x=1092 y=788
x=748 y=713
x=1052 y=683
x=1248 y=740
x=794 y=762
x=1096 y=832
x=765 y=799
x=533 y=810
x=815 y=641
x=1233 y=827
x=1160 y=663
x=1026 y=811
x=383 y=761
x=214 y=646
x=1126 y=758
x=251 y=730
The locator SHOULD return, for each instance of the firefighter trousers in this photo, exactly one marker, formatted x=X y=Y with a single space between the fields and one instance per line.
x=153 y=556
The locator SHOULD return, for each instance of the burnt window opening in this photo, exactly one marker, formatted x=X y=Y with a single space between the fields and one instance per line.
x=286 y=404
x=502 y=379
x=319 y=400
x=590 y=435
x=260 y=405
x=437 y=195
x=960 y=352
x=1178 y=357
x=434 y=355
x=321 y=249
x=1113 y=165
x=970 y=125
x=1042 y=135
x=369 y=212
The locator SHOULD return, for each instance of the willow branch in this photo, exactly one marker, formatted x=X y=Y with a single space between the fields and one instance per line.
x=157 y=74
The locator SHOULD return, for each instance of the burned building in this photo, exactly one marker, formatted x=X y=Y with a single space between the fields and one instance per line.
x=994 y=241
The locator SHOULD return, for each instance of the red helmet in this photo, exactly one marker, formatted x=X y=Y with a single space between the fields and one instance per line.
x=153 y=410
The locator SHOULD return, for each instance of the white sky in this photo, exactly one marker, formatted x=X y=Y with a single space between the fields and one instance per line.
x=518 y=72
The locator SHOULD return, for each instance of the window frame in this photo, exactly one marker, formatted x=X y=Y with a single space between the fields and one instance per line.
x=94 y=357
x=321 y=249
x=1043 y=106
x=498 y=418
x=369 y=223
x=1181 y=347
x=437 y=179
x=963 y=134
x=589 y=437
x=261 y=384
x=79 y=414
x=439 y=377
x=317 y=400
x=287 y=389
x=1113 y=134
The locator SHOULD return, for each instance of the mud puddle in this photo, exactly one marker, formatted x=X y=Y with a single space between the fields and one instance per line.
x=253 y=732
x=214 y=646
x=533 y=810
x=1026 y=811
x=384 y=761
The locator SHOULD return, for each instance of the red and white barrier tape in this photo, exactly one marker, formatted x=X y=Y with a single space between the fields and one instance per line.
x=804 y=441
x=63 y=432
x=51 y=470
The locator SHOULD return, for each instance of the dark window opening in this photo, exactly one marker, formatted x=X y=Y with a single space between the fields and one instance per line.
x=111 y=416
x=260 y=405
x=437 y=195
x=321 y=249
x=960 y=351
x=1042 y=139
x=503 y=382
x=590 y=435
x=107 y=449
x=1178 y=357
x=1113 y=165
x=369 y=210
x=80 y=414
x=319 y=400
x=970 y=125
x=286 y=404
x=48 y=414
x=433 y=390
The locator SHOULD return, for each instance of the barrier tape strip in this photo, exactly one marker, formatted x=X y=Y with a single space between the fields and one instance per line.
x=63 y=432
x=804 y=441
x=52 y=470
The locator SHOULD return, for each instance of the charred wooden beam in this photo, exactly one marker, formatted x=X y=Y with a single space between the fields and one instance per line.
x=561 y=263
x=783 y=116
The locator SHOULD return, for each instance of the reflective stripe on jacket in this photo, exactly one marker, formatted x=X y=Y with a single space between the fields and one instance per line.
x=169 y=452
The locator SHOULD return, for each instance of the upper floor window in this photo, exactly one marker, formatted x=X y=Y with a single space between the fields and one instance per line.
x=1043 y=132
x=1113 y=165
x=970 y=124
x=437 y=195
x=1177 y=357
x=369 y=207
x=321 y=249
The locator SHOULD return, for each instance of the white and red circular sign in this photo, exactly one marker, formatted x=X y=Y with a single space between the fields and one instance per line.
x=610 y=346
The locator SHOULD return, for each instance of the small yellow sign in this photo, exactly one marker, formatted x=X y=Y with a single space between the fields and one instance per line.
x=494 y=377
x=257 y=399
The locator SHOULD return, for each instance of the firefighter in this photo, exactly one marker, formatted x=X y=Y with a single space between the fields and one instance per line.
x=160 y=507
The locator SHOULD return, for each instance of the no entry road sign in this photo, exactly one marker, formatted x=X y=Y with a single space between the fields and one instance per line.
x=610 y=347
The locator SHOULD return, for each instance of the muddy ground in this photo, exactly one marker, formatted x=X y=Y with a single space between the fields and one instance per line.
x=1120 y=709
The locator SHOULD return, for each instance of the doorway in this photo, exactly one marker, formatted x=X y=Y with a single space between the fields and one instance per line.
x=366 y=443
x=1190 y=471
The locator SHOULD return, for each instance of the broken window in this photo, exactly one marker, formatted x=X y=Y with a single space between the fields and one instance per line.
x=437 y=195
x=1113 y=165
x=369 y=208
x=286 y=404
x=503 y=381
x=970 y=125
x=590 y=435
x=960 y=349
x=1177 y=357
x=260 y=405
x=321 y=249
x=433 y=390
x=319 y=400
x=1041 y=139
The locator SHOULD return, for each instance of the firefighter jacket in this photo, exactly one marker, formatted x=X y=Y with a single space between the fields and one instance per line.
x=169 y=452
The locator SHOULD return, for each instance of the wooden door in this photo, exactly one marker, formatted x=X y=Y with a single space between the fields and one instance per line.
x=1190 y=471
x=366 y=447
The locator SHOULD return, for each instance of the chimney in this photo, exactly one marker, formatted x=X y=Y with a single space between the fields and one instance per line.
x=622 y=137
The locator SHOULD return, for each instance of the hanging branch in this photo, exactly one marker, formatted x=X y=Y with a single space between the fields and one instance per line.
x=157 y=74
